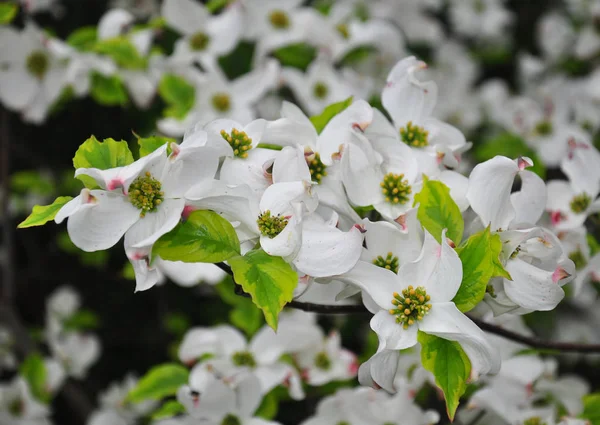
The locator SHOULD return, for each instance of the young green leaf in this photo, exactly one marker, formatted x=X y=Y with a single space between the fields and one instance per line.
x=122 y=51
x=83 y=39
x=108 y=90
x=178 y=94
x=150 y=144
x=269 y=406
x=8 y=11
x=82 y=320
x=438 y=211
x=244 y=314
x=42 y=214
x=205 y=237
x=160 y=381
x=450 y=366
x=591 y=408
x=321 y=120
x=299 y=55
x=33 y=370
x=480 y=257
x=102 y=155
x=168 y=410
x=270 y=281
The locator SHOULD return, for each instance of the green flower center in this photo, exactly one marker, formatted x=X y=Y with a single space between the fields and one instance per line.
x=199 y=41
x=343 y=30
x=145 y=194
x=543 y=128
x=16 y=407
x=343 y=423
x=231 y=420
x=322 y=361
x=320 y=90
x=221 y=102
x=514 y=254
x=580 y=203
x=239 y=142
x=578 y=259
x=534 y=420
x=479 y=6
x=414 y=136
x=411 y=306
x=395 y=188
x=317 y=168
x=37 y=63
x=244 y=358
x=279 y=19
x=390 y=262
x=271 y=226
x=490 y=290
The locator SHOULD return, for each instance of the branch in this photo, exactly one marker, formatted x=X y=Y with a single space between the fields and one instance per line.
x=493 y=329
x=7 y=287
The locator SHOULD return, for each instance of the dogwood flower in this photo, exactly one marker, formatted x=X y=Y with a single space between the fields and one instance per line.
x=17 y=404
x=426 y=285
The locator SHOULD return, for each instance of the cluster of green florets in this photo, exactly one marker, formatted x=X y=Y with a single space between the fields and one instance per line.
x=412 y=305
x=243 y=358
x=580 y=203
x=221 y=102
x=414 y=136
x=239 y=142
x=395 y=188
x=269 y=225
x=390 y=262
x=543 y=128
x=231 y=420
x=534 y=420
x=320 y=90
x=343 y=30
x=199 y=41
x=578 y=259
x=514 y=254
x=145 y=194
x=37 y=63
x=322 y=361
x=279 y=19
x=317 y=168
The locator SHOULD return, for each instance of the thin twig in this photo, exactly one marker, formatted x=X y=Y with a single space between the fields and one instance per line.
x=7 y=287
x=488 y=327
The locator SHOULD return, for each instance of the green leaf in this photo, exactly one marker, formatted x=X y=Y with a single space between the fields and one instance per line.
x=269 y=406
x=150 y=144
x=160 y=381
x=102 y=155
x=591 y=408
x=33 y=370
x=82 y=320
x=320 y=121
x=356 y=55
x=31 y=181
x=168 y=410
x=42 y=214
x=244 y=314
x=438 y=211
x=215 y=5
x=205 y=237
x=512 y=146
x=239 y=61
x=84 y=38
x=270 y=281
x=298 y=55
x=178 y=94
x=108 y=90
x=480 y=257
x=177 y=324
x=450 y=366
x=593 y=243
x=122 y=51
x=8 y=11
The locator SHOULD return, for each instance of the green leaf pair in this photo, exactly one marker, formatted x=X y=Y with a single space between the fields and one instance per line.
x=321 y=120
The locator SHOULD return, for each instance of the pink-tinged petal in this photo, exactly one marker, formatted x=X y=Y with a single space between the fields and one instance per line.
x=376 y=281
x=438 y=269
x=560 y=195
x=290 y=165
x=102 y=225
x=155 y=224
x=490 y=184
x=278 y=198
x=328 y=251
x=146 y=276
x=361 y=177
x=250 y=171
x=287 y=243
x=582 y=165
x=185 y=16
x=392 y=335
x=187 y=168
x=531 y=287
x=530 y=201
x=84 y=200
x=446 y=321
x=384 y=366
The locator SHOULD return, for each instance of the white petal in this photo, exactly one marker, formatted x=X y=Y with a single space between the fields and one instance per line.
x=113 y=23
x=278 y=197
x=361 y=178
x=287 y=243
x=531 y=287
x=225 y=29
x=191 y=274
x=155 y=224
x=384 y=366
x=392 y=335
x=290 y=165
x=530 y=201
x=376 y=281
x=250 y=87
x=17 y=88
x=459 y=185
x=185 y=16
x=446 y=321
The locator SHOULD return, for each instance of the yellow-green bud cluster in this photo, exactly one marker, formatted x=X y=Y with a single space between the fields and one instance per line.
x=578 y=259
x=271 y=226
x=243 y=358
x=279 y=19
x=320 y=90
x=37 y=63
x=322 y=361
x=239 y=142
x=414 y=136
x=543 y=128
x=580 y=203
x=411 y=306
x=395 y=188
x=343 y=30
x=145 y=194
x=390 y=262
x=490 y=290
x=514 y=254
x=199 y=41
x=316 y=167
x=221 y=102
x=16 y=407
x=231 y=420
x=534 y=420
